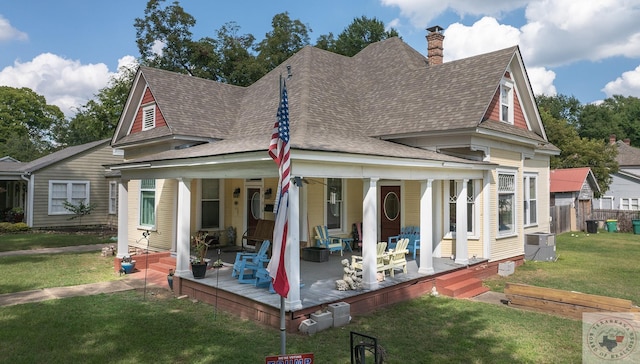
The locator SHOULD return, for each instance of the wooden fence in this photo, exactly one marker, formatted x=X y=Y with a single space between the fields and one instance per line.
x=624 y=218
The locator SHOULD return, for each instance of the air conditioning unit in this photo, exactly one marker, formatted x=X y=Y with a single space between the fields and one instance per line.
x=540 y=247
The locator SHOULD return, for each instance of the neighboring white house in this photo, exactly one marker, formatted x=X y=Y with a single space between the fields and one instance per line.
x=624 y=190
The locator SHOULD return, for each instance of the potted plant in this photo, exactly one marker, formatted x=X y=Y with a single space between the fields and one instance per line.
x=200 y=247
x=127 y=265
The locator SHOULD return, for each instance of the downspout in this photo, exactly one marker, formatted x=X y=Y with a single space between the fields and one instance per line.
x=28 y=211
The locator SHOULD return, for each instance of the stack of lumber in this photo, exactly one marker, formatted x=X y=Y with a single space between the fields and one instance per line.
x=565 y=303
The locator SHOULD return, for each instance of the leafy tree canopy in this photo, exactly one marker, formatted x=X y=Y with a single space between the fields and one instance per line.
x=26 y=123
x=359 y=34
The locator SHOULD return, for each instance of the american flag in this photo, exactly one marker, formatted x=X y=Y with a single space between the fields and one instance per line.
x=279 y=151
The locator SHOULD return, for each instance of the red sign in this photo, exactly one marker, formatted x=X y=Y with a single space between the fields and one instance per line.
x=306 y=358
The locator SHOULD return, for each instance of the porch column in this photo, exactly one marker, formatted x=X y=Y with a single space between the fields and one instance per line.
x=486 y=215
x=369 y=233
x=426 y=226
x=183 y=246
x=123 y=218
x=462 y=249
x=292 y=252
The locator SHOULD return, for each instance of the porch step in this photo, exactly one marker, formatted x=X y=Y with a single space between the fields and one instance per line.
x=460 y=284
x=164 y=265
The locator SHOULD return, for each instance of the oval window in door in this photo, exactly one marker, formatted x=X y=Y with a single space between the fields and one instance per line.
x=391 y=206
x=255 y=205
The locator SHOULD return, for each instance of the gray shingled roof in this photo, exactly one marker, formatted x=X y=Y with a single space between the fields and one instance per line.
x=47 y=160
x=627 y=155
x=336 y=103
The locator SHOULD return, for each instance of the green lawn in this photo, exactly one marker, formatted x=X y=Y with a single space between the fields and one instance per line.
x=125 y=328
x=37 y=240
x=603 y=264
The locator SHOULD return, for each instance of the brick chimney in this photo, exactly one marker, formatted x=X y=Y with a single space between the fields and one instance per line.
x=627 y=141
x=435 y=49
x=612 y=139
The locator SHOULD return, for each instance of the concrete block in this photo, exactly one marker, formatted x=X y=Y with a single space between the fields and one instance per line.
x=339 y=321
x=340 y=309
x=308 y=327
x=323 y=319
x=506 y=268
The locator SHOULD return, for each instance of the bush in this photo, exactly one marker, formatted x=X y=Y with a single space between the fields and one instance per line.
x=7 y=227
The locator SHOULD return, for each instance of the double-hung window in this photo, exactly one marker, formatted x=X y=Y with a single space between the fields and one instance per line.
x=530 y=199
x=148 y=202
x=453 y=201
x=506 y=101
x=506 y=203
x=210 y=204
x=334 y=203
x=113 y=197
x=72 y=192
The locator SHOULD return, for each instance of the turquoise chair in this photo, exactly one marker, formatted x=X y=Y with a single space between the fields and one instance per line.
x=247 y=264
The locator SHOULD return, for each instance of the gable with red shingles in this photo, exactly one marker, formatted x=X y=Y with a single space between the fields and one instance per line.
x=147 y=99
x=568 y=180
x=493 y=112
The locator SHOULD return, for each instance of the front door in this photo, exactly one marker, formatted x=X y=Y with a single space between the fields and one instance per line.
x=390 y=212
x=253 y=211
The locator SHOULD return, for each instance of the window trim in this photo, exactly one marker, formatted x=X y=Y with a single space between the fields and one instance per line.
x=526 y=180
x=510 y=101
x=474 y=223
x=341 y=200
x=514 y=211
x=113 y=197
x=69 y=184
x=155 y=204
x=200 y=210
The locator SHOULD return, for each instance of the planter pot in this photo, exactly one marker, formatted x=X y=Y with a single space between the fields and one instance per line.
x=128 y=267
x=199 y=270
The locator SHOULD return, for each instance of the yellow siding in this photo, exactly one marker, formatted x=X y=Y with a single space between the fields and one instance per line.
x=83 y=167
x=162 y=237
x=411 y=203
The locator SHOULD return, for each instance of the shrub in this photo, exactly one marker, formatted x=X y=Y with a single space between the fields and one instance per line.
x=7 y=227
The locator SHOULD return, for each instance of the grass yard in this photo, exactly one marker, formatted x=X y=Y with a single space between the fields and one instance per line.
x=38 y=240
x=603 y=264
x=124 y=328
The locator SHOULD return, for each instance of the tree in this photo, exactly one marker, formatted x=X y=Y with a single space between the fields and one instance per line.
x=98 y=118
x=26 y=123
x=238 y=66
x=616 y=115
x=561 y=107
x=170 y=29
x=575 y=151
x=285 y=39
x=359 y=34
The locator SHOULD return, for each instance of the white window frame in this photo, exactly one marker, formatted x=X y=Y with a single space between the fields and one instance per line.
x=202 y=200
x=508 y=85
x=113 y=197
x=338 y=199
x=55 y=209
x=611 y=201
x=508 y=190
x=527 y=218
x=630 y=204
x=155 y=204
x=472 y=225
x=149 y=117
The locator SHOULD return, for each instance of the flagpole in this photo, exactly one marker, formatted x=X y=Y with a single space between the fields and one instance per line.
x=283 y=322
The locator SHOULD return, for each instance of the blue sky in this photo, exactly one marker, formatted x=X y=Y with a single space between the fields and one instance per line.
x=67 y=50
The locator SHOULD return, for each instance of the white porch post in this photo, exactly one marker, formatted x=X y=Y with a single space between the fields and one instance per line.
x=292 y=252
x=462 y=249
x=369 y=233
x=426 y=226
x=123 y=218
x=486 y=215
x=183 y=245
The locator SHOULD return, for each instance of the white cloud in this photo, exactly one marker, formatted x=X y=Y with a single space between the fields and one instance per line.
x=422 y=12
x=8 y=32
x=65 y=83
x=542 y=81
x=628 y=84
x=485 y=35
